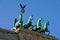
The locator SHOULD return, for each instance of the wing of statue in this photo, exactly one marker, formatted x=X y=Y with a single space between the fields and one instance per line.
x=21 y=5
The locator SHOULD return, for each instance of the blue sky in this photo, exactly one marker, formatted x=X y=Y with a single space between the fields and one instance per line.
x=49 y=10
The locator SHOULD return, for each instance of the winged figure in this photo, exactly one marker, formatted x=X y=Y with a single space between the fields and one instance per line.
x=22 y=8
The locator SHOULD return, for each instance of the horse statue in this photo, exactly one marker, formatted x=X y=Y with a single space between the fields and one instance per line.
x=16 y=24
x=38 y=26
x=45 y=28
x=29 y=23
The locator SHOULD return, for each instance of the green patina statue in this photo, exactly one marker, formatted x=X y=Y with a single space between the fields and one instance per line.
x=38 y=26
x=21 y=15
x=18 y=23
x=15 y=21
x=45 y=28
x=29 y=23
x=22 y=8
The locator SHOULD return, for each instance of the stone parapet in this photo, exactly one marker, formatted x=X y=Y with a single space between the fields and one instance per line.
x=31 y=35
x=8 y=35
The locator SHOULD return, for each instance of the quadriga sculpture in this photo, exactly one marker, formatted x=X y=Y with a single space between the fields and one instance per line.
x=38 y=27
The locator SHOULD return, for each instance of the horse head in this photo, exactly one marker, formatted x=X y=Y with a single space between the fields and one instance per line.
x=30 y=18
